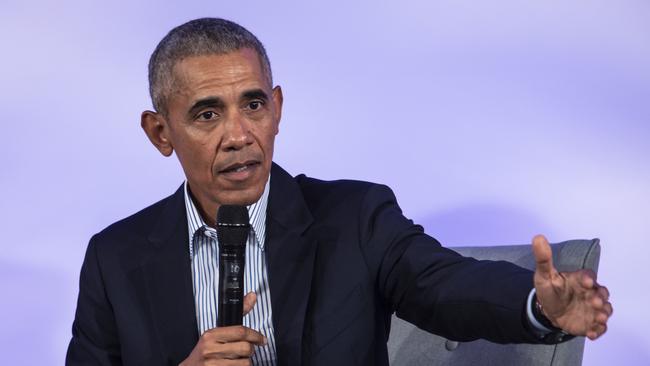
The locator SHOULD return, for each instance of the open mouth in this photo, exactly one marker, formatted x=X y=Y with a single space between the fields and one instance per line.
x=240 y=167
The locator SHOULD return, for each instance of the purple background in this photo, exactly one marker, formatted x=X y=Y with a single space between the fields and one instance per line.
x=492 y=122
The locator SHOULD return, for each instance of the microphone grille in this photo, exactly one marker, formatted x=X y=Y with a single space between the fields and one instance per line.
x=232 y=224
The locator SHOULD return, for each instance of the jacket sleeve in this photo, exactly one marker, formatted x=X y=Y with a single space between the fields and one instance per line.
x=94 y=333
x=437 y=289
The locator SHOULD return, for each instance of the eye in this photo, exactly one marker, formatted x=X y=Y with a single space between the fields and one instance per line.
x=207 y=115
x=255 y=105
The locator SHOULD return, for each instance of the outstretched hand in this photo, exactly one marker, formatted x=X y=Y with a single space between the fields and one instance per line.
x=572 y=301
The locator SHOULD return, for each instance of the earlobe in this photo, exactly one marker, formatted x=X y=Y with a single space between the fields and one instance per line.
x=155 y=126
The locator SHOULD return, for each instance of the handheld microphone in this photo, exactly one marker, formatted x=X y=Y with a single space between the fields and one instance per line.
x=232 y=233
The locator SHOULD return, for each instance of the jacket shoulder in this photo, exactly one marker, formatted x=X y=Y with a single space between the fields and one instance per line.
x=139 y=224
x=312 y=186
x=344 y=192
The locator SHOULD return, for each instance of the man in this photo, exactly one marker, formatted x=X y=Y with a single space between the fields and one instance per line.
x=327 y=262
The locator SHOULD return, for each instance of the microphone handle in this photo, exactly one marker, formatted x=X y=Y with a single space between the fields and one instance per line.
x=232 y=260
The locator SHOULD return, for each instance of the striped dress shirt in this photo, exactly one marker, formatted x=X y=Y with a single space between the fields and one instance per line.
x=204 y=255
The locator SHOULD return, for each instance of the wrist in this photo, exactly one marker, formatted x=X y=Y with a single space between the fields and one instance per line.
x=540 y=316
x=545 y=331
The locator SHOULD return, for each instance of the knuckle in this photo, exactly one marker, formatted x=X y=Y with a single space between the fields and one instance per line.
x=204 y=353
x=240 y=332
x=248 y=349
x=207 y=335
x=588 y=274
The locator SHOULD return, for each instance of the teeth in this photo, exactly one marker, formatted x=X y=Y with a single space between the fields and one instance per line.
x=238 y=169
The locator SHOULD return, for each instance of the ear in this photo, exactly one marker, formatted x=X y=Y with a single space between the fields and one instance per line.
x=157 y=130
x=277 y=100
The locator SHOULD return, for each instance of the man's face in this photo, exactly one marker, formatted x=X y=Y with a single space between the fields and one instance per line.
x=222 y=120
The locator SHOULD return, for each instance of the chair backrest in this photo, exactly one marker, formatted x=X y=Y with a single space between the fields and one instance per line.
x=409 y=345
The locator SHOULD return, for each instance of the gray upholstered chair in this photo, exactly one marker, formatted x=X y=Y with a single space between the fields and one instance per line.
x=411 y=346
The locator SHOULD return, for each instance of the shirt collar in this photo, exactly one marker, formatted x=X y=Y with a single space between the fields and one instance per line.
x=256 y=213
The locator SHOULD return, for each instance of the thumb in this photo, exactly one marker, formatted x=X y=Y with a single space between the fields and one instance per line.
x=543 y=255
x=249 y=301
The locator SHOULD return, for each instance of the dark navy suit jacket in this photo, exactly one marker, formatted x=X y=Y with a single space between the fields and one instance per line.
x=341 y=259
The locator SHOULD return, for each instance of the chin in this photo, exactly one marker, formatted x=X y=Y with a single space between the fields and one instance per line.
x=243 y=197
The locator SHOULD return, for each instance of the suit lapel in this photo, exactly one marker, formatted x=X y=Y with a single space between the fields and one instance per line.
x=168 y=282
x=290 y=251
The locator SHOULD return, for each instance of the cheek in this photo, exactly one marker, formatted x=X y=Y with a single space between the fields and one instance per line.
x=199 y=155
x=265 y=136
x=269 y=141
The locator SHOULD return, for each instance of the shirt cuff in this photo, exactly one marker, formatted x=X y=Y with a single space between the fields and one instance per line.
x=531 y=317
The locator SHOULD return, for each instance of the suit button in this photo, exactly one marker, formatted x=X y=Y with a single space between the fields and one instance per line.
x=451 y=345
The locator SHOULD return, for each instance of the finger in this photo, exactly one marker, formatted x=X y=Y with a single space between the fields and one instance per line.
x=593 y=334
x=227 y=362
x=588 y=279
x=238 y=333
x=249 y=301
x=243 y=349
x=599 y=330
x=238 y=362
x=604 y=292
x=602 y=317
x=543 y=255
x=608 y=309
x=231 y=351
x=597 y=302
x=599 y=299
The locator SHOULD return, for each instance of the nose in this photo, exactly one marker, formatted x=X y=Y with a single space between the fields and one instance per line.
x=237 y=133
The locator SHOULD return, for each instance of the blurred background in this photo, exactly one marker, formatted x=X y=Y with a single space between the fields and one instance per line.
x=492 y=121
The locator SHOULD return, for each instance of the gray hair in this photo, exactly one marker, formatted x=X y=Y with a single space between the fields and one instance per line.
x=198 y=37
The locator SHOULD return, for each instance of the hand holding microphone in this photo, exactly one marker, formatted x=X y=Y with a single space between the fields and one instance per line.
x=227 y=345
x=230 y=340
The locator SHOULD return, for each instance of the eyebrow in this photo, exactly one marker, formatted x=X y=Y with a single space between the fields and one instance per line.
x=255 y=94
x=205 y=102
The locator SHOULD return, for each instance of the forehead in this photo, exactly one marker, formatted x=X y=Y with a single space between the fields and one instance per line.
x=197 y=74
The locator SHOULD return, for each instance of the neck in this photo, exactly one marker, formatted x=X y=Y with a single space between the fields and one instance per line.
x=208 y=212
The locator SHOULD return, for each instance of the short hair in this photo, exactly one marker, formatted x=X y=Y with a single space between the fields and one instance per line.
x=198 y=37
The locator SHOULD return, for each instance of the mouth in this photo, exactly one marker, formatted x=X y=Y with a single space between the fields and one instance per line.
x=240 y=171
